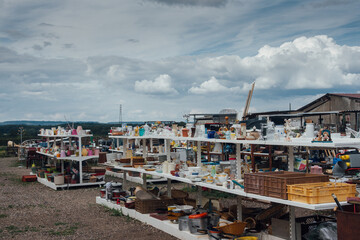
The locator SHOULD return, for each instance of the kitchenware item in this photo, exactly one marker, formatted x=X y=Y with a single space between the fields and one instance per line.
x=213 y=219
x=97 y=151
x=79 y=130
x=214 y=234
x=184 y=223
x=185 y=132
x=165 y=167
x=339 y=169
x=186 y=208
x=309 y=130
x=170 y=208
x=337 y=202
x=59 y=180
x=116 y=193
x=62 y=154
x=171 y=167
x=247 y=238
x=90 y=152
x=198 y=223
x=84 y=152
x=102 y=193
x=236 y=228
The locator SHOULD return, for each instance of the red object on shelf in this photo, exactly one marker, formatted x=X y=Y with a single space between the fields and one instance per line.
x=200 y=215
x=29 y=178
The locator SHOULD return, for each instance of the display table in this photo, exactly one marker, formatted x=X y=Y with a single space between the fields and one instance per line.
x=298 y=142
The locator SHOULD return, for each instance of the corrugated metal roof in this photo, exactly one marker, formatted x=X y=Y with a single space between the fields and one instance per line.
x=351 y=95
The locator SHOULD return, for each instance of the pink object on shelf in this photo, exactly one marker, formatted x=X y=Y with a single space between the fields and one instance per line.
x=62 y=154
x=90 y=153
x=316 y=170
x=96 y=152
x=74 y=132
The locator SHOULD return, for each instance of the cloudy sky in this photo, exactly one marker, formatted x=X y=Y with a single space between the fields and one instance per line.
x=160 y=59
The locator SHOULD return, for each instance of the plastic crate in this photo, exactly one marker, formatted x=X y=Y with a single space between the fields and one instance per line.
x=276 y=185
x=29 y=178
x=314 y=193
x=151 y=206
x=255 y=182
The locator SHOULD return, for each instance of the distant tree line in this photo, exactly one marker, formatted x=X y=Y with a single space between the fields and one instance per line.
x=11 y=132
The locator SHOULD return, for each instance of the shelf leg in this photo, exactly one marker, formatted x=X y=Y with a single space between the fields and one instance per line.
x=144 y=180
x=238 y=161
x=169 y=188
x=151 y=145
x=239 y=208
x=80 y=162
x=199 y=196
x=167 y=149
x=270 y=158
x=144 y=148
x=62 y=166
x=125 y=142
x=291 y=159
x=117 y=143
x=124 y=180
x=292 y=223
x=198 y=154
x=252 y=148
x=307 y=159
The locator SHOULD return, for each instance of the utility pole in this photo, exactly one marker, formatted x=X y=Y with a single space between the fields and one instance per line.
x=21 y=131
x=120 y=115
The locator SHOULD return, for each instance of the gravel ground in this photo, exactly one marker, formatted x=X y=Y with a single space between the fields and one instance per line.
x=34 y=211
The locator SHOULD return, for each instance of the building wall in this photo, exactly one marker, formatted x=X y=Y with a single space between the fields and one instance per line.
x=336 y=103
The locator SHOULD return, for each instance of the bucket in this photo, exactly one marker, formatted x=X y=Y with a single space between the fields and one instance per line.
x=339 y=168
x=59 y=180
x=348 y=223
x=102 y=193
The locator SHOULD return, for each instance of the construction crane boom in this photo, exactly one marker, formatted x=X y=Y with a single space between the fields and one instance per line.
x=248 y=100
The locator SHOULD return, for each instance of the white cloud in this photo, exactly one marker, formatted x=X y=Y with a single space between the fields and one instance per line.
x=161 y=85
x=212 y=86
x=115 y=72
x=305 y=63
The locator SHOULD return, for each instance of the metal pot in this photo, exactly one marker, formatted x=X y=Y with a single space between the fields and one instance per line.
x=214 y=234
x=213 y=219
x=184 y=223
x=198 y=223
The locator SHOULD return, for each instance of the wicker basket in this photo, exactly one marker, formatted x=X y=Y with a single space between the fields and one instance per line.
x=236 y=228
x=151 y=206
x=175 y=193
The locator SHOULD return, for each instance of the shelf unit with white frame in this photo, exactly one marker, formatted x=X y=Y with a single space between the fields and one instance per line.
x=307 y=143
x=143 y=153
x=79 y=159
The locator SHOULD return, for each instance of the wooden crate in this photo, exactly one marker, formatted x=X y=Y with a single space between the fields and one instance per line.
x=314 y=193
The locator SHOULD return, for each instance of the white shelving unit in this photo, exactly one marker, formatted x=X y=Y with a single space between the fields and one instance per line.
x=337 y=143
x=143 y=153
x=138 y=180
x=79 y=159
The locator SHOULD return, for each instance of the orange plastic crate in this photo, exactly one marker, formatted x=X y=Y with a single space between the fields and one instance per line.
x=29 y=178
x=314 y=193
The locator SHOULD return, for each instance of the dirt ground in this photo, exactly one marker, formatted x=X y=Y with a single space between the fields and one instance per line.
x=34 y=211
